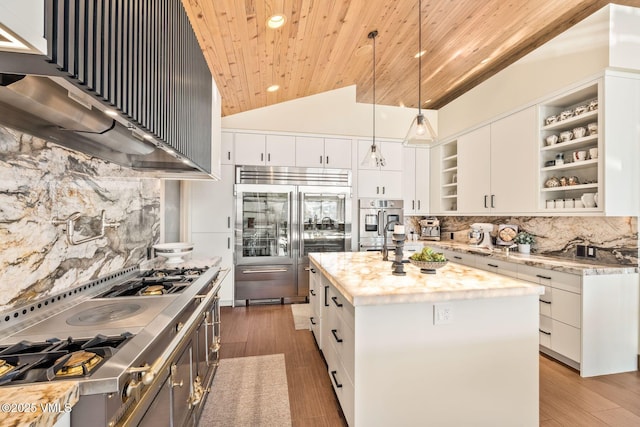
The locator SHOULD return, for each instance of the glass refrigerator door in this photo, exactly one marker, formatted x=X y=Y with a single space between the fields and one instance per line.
x=264 y=224
x=323 y=223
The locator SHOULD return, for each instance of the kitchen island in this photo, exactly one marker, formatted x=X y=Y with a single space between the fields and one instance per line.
x=459 y=347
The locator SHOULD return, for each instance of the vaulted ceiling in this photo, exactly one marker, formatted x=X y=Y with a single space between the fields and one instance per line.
x=323 y=45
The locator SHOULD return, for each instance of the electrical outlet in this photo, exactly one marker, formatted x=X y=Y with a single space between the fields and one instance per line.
x=581 y=250
x=451 y=235
x=591 y=251
x=442 y=314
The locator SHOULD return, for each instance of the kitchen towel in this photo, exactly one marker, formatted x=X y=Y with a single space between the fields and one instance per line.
x=248 y=391
x=300 y=316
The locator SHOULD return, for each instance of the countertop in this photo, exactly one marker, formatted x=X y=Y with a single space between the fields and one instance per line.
x=579 y=267
x=364 y=279
x=40 y=404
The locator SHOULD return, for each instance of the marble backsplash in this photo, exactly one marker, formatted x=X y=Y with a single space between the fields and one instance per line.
x=40 y=181
x=615 y=238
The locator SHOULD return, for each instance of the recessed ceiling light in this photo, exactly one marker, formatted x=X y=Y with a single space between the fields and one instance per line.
x=112 y=113
x=276 y=21
x=428 y=100
x=419 y=54
x=273 y=88
x=363 y=50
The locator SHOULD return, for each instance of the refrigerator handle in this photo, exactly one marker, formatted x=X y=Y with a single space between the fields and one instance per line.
x=292 y=207
x=300 y=225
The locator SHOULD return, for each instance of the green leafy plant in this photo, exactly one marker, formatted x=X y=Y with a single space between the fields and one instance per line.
x=524 y=238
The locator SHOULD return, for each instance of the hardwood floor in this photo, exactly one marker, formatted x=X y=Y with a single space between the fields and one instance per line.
x=566 y=399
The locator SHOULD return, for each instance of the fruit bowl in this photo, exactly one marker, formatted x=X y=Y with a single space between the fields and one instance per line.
x=429 y=265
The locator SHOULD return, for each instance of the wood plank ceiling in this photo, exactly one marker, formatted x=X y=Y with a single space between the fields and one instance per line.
x=324 y=45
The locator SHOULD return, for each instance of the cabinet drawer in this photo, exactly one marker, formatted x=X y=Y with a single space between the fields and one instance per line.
x=556 y=279
x=342 y=338
x=458 y=257
x=546 y=300
x=565 y=307
x=497 y=266
x=342 y=386
x=560 y=337
x=342 y=307
x=565 y=340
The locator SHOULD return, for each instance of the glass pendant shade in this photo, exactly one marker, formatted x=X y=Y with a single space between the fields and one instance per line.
x=373 y=158
x=420 y=132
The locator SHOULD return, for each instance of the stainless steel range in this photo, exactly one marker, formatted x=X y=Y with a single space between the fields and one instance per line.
x=142 y=344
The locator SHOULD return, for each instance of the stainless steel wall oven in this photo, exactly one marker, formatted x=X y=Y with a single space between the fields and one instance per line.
x=374 y=215
x=282 y=214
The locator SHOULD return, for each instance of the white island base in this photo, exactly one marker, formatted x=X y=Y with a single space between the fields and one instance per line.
x=479 y=370
x=391 y=364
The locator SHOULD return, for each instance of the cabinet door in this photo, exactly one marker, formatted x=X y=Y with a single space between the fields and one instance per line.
x=207 y=245
x=392 y=153
x=310 y=152
x=380 y=184
x=250 y=149
x=514 y=162
x=409 y=180
x=435 y=180
x=337 y=153
x=211 y=203
x=281 y=150
x=226 y=149
x=422 y=180
x=565 y=340
x=474 y=171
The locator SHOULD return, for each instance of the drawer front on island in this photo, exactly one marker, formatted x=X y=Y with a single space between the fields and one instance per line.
x=315 y=300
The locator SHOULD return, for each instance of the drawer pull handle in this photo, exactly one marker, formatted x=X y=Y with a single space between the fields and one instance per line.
x=545 y=332
x=492 y=265
x=335 y=381
x=457 y=257
x=312 y=292
x=277 y=270
x=335 y=301
x=543 y=277
x=313 y=322
x=335 y=335
x=326 y=294
x=546 y=302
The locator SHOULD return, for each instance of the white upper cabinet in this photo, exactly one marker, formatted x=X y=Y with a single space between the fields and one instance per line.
x=212 y=203
x=474 y=171
x=415 y=181
x=380 y=184
x=497 y=166
x=227 y=156
x=315 y=152
x=264 y=150
x=513 y=163
x=595 y=129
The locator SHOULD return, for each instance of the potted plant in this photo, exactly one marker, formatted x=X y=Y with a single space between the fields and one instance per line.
x=524 y=241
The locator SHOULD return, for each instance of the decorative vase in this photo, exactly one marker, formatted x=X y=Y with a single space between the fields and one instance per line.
x=524 y=248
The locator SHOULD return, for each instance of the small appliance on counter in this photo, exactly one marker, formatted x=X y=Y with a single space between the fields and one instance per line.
x=430 y=228
x=480 y=235
x=506 y=234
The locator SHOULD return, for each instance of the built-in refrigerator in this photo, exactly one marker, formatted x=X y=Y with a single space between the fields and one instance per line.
x=283 y=214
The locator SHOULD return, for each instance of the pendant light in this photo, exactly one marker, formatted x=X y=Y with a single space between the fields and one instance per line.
x=420 y=132
x=374 y=158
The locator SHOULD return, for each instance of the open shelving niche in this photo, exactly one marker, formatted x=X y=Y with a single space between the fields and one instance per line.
x=449 y=179
x=587 y=171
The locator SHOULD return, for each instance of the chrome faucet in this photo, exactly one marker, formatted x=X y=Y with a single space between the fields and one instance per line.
x=385 y=251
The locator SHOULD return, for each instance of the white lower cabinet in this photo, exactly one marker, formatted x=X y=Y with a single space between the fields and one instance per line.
x=316 y=298
x=588 y=321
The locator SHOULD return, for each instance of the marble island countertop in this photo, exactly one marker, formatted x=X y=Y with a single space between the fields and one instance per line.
x=365 y=279
x=580 y=267
x=39 y=404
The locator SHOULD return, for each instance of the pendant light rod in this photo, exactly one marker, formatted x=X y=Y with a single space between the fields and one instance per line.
x=372 y=35
x=419 y=56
